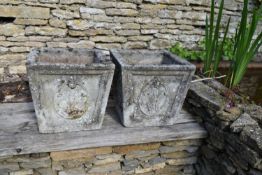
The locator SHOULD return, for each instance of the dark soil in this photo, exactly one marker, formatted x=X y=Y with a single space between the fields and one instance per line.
x=15 y=92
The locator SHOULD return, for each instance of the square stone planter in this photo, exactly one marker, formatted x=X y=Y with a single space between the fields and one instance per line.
x=70 y=88
x=151 y=86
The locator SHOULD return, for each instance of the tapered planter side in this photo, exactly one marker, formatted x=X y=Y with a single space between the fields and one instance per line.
x=70 y=88
x=151 y=86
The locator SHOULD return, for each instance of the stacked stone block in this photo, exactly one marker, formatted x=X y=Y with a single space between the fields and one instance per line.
x=105 y=24
x=165 y=158
x=234 y=126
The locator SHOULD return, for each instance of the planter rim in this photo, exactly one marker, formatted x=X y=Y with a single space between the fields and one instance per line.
x=182 y=65
x=105 y=64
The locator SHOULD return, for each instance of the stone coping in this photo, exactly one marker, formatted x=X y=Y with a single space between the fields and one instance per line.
x=19 y=132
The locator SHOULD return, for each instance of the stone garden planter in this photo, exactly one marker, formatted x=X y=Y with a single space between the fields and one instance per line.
x=151 y=86
x=70 y=88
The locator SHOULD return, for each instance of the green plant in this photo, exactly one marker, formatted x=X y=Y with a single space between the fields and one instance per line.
x=199 y=54
x=213 y=47
x=245 y=46
x=183 y=52
x=228 y=49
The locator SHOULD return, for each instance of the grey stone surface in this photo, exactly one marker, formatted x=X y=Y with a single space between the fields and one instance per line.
x=234 y=143
x=70 y=88
x=129 y=165
x=151 y=86
x=241 y=122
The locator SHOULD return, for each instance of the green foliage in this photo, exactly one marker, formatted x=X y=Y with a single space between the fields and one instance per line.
x=199 y=54
x=244 y=46
x=228 y=49
x=183 y=52
x=213 y=46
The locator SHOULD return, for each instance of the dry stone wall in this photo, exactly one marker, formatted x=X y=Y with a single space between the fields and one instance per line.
x=234 y=145
x=165 y=158
x=132 y=24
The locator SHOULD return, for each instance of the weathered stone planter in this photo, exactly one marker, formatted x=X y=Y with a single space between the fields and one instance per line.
x=151 y=86
x=70 y=88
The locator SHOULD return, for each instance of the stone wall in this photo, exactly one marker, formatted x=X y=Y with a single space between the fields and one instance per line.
x=165 y=158
x=234 y=145
x=136 y=24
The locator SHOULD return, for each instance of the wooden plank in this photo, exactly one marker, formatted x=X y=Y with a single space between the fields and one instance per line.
x=19 y=133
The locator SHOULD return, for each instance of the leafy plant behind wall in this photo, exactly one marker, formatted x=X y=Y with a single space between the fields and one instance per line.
x=213 y=47
x=199 y=54
x=244 y=47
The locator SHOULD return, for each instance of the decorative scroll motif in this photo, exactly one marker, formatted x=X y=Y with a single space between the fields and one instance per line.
x=153 y=99
x=71 y=99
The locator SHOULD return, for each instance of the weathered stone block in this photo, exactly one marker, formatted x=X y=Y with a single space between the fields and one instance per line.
x=108 y=46
x=99 y=4
x=105 y=168
x=167 y=1
x=74 y=171
x=24 y=12
x=149 y=31
x=125 y=19
x=91 y=11
x=137 y=104
x=22 y=172
x=121 y=12
x=130 y=26
x=241 y=122
x=169 y=170
x=252 y=136
x=159 y=44
x=79 y=24
x=64 y=14
x=183 y=143
x=46 y=31
x=108 y=39
x=135 y=45
x=207 y=96
x=6 y=167
x=254 y=111
x=72 y=1
x=77 y=154
x=129 y=165
x=169 y=149
x=82 y=44
x=170 y=14
x=127 y=32
x=140 y=38
x=56 y=44
x=49 y=1
x=180 y=161
x=30 y=21
x=12 y=59
x=72 y=107
x=45 y=171
x=3 y=49
x=125 y=5
x=102 y=18
x=11 y=30
x=140 y=154
x=71 y=164
x=107 y=158
x=129 y=148
x=201 y=16
x=21 y=69
x=176 y=155
x=54 y=22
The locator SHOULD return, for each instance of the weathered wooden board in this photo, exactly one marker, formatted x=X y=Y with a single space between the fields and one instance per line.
x=19 y=133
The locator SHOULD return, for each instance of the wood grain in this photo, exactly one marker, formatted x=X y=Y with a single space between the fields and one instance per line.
x=19 y=132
